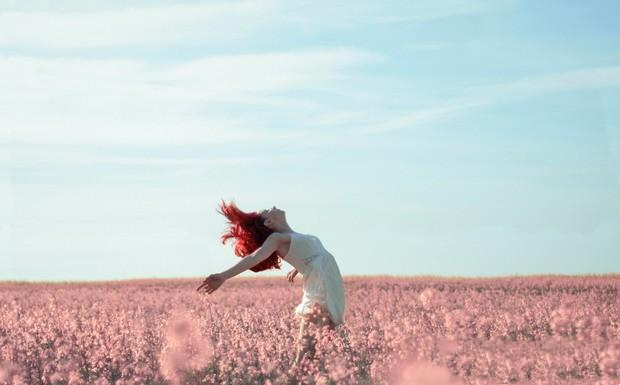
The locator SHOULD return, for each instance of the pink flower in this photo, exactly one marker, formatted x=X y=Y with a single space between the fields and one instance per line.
x=185 y=349
x=420 y=372
x=9 y=371
x=430 y=297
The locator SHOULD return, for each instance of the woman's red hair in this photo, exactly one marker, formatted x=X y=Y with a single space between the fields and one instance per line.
x=250 y=232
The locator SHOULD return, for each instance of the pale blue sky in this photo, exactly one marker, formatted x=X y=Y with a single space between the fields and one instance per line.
x=454 y=138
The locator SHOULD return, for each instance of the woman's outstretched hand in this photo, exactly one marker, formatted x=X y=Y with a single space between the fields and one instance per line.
x=291 y=275
x=211 y=283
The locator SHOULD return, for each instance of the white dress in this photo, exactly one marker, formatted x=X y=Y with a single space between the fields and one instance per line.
x=322 y=281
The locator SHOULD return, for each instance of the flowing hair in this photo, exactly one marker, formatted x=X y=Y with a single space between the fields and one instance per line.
x=249 y=231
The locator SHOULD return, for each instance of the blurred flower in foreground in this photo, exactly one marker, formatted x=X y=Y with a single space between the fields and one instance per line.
x=10 y=373
x=421 y=372
x=184 y=349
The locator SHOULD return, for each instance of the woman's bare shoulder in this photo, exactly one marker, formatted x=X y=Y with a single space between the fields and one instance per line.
x=282 y=237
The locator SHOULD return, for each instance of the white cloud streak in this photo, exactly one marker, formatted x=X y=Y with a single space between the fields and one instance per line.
x=212 y=23
x=35 y=156
x=481 y=96
x=587 y=78
x=78 y=101
x=112 y=101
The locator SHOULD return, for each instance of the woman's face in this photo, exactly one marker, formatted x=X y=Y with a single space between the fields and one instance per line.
x=272 y=215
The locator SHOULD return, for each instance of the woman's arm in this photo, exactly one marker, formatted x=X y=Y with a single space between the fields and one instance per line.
x=267 y=248
x=214 y=281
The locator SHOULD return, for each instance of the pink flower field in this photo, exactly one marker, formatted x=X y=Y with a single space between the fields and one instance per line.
x=400 y=331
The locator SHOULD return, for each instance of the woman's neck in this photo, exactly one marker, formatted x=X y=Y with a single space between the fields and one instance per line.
x=285 y=228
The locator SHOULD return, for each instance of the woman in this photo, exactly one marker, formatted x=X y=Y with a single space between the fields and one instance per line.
x=262 y=239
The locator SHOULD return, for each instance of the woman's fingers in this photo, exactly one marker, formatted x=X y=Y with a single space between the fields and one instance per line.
x=212 y=283
x=291 y=275
x=206 y=286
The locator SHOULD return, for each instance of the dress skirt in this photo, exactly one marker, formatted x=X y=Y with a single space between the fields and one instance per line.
x=323 y=285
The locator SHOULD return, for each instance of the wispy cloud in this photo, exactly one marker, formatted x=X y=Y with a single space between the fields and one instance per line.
x=114 y=101
x=424 y=46
x=222 y=76
x=212 y=23
x=183 y=23
x=587 y=78
x=486 y=95
x=347 y=14
x=36 y=155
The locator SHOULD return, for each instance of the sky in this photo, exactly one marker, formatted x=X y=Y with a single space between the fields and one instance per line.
x=456 y=138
